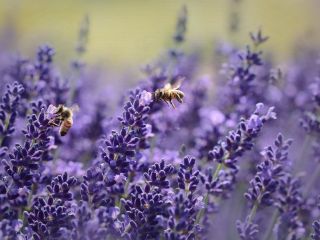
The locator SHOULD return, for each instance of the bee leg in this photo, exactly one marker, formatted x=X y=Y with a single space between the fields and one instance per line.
x=172 y=104
x=59 y=109
x=53 y=124
x=179 y=99
x=56 y=122
x=166 y=102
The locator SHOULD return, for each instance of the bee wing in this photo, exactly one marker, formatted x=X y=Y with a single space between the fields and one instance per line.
x=178 y=82
x=51 y=109
x=172 y=104
x=167 y=86
x=75 y=108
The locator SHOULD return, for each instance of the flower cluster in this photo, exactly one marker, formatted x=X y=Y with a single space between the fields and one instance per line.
x=182 y=223
x=155 y=172
x=274 y=185
x=9 y=110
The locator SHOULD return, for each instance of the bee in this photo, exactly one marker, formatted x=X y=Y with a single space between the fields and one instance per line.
x=63 y=117
x=169 y=92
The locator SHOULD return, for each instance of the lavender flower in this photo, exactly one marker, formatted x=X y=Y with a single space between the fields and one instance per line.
x=226 y=154
x=10 y=229
x=183 y=212
x=157 y=175
x=92 y=187
x=240 y=140
x=257 y=38
x=143 y=209
x=247 y=230
x=179 y=35
x=273 y=185
x=290 y=206
x=120 y=147
x=50 y=217
x=316 y=228
x=47 y=217
x=246 y=83
x=22 y=167
x=9 y=110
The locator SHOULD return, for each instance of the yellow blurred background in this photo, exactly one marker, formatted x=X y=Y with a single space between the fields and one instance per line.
x=130 y=33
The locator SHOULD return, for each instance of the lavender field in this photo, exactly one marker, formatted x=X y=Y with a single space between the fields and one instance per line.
x=176 y=152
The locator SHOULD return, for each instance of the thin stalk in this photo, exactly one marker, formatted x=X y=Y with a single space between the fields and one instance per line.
x=267 y=235
x=313 y=179
x=304 y=149
x=216 y=173
x=126 y=187
x=2 y=138
x=253 y=211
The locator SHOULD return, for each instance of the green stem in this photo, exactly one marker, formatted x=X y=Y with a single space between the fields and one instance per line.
x=218 y=169
x=127 y=229
x=304 y=149
x=2 y=138
x=126 y=187
x=313 y=179
x=267 y=235
x=253 y=211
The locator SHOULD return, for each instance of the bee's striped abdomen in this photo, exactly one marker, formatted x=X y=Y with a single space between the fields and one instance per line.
x=65 y=126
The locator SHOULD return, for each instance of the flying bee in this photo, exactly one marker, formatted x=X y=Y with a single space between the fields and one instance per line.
x=169 y=92
x=62 y=117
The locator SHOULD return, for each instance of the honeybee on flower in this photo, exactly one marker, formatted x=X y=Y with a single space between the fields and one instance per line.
x=62 y=117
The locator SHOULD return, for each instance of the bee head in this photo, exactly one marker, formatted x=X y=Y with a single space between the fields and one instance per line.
x=60 y=109
x=158 y=94
x=66 y=114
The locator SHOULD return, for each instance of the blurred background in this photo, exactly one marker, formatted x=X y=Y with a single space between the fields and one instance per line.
x=126 y=34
